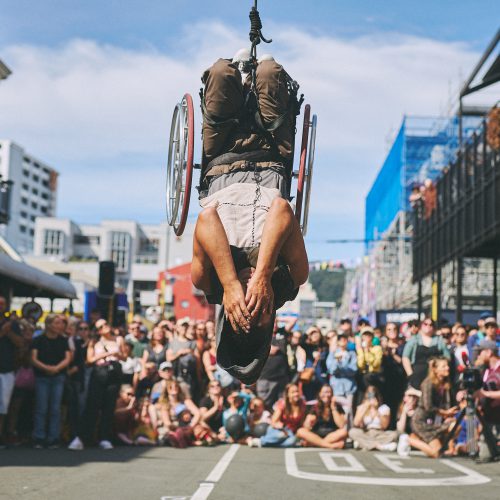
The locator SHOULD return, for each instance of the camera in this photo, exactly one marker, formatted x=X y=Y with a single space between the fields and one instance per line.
x=471 y=379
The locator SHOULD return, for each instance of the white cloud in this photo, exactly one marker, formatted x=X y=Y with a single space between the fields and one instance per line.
x=101 y=114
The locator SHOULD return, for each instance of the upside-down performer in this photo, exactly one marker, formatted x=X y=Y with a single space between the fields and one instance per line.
x=249 y=253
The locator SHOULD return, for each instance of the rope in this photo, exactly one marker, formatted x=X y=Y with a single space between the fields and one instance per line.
x=255 y=34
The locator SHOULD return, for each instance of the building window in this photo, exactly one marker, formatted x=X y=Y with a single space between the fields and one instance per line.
x=45 y=183
x=120 y=245
x=36 y=165
x=22 y=229
x=24 y=201
x=43 y=209
x=25 y=186
x=34 y=191
x=26 y=173
x=45 y=196
x=53 y=243
x=32 y=232
x=34 y=205
x=33 y=218
x=24 y=214
x=36 y=178
x=26 y=159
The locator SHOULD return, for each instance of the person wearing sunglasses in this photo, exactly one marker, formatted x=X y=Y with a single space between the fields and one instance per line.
x=420 y=349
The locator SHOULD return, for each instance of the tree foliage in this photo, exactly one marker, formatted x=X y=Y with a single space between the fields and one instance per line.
x=329 y=285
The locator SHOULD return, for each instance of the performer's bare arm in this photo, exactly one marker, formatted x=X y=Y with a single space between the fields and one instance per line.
x=211 y=250
x=281 y=236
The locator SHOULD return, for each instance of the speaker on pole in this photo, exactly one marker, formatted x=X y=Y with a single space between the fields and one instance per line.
x=106 y=278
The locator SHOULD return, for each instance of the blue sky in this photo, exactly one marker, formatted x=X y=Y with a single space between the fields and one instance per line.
x=94 y=84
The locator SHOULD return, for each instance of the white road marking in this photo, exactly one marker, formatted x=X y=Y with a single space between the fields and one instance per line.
x=394 y=462
x=353 y=464
x=469 y=477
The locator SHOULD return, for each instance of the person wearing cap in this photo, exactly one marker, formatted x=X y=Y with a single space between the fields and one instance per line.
x=488 y=359
x=248 y=256
x=491 y=331
x=475 y=338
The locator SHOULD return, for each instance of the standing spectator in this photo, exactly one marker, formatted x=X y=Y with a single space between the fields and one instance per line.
x=181 y=353
x=296 y=356
x=209 y=359
x=369 y=359
x=394 y=384
x=490 y=332
x=413 y=327
x=325 y=425
x=371 y=422
x=313 y=376
x=274 y=376
x=475 y=338
x=342 y=366
x=136 y=336
x=288 y=417
x=104 y=356
x=75 y=380
x=131 y=366
x=434 y=414
x=10 y=341
x=488 y=360
x=156 y=350
x=459 y=353
x=50 y=355
x=419 y=350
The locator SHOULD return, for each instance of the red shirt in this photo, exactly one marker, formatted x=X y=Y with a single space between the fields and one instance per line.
x=290 y=421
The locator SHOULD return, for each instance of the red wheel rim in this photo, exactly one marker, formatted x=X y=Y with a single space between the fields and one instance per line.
x=189 y=165
x=302 y=168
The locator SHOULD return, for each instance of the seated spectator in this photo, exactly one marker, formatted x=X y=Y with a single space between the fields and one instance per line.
x=171 y=404
x=145 y=432
x=125 y=412
x=212 y=406
x=459 y=353
x=238 y=403
x=288 y=417
x=257 y=414
x=165 y=373
x=50 y=355
x=370 y=424
x=137 y=338
x=324 y=427
x=434 y=413
x=419 y=350
x=405 y=414
x=342 y=365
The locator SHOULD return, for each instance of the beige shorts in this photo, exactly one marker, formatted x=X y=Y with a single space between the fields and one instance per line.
x=242 y=208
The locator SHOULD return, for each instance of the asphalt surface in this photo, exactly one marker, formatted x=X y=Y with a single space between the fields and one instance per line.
x=238 y=472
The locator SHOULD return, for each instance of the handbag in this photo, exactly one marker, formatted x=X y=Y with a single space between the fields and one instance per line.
x=307 y=374
x=25 y=378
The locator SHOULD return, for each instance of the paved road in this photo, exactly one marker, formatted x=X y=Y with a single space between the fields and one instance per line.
x=237 y=472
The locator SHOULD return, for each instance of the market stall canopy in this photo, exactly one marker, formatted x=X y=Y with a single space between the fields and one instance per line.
x=27 y=281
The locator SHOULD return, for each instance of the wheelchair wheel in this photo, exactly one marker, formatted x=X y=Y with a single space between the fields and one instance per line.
x=305 y=172
x=180 y=164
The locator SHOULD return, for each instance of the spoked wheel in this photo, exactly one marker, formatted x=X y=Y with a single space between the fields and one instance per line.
x=180 y=164
x=305 y=172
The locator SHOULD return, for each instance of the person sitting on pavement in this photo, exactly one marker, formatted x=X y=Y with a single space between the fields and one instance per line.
x=288 y=417
x=324 y=427
x=434 y=413
x=370 y=424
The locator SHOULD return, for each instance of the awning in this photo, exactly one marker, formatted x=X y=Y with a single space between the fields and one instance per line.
x=27 y=281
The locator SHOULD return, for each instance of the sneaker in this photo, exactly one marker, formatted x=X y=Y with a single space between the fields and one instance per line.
x=355 y=445
x=387 y=447
x=38 y=444
x=404 y=447
x=105 y=445
x=53 y=445
x=76 y=444
x=254 y=443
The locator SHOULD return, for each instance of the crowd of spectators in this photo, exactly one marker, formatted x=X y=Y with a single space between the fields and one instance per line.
x=389 y=388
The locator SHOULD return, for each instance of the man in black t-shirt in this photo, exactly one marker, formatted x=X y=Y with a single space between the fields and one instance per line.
x=275 y=374
x=50 y=355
